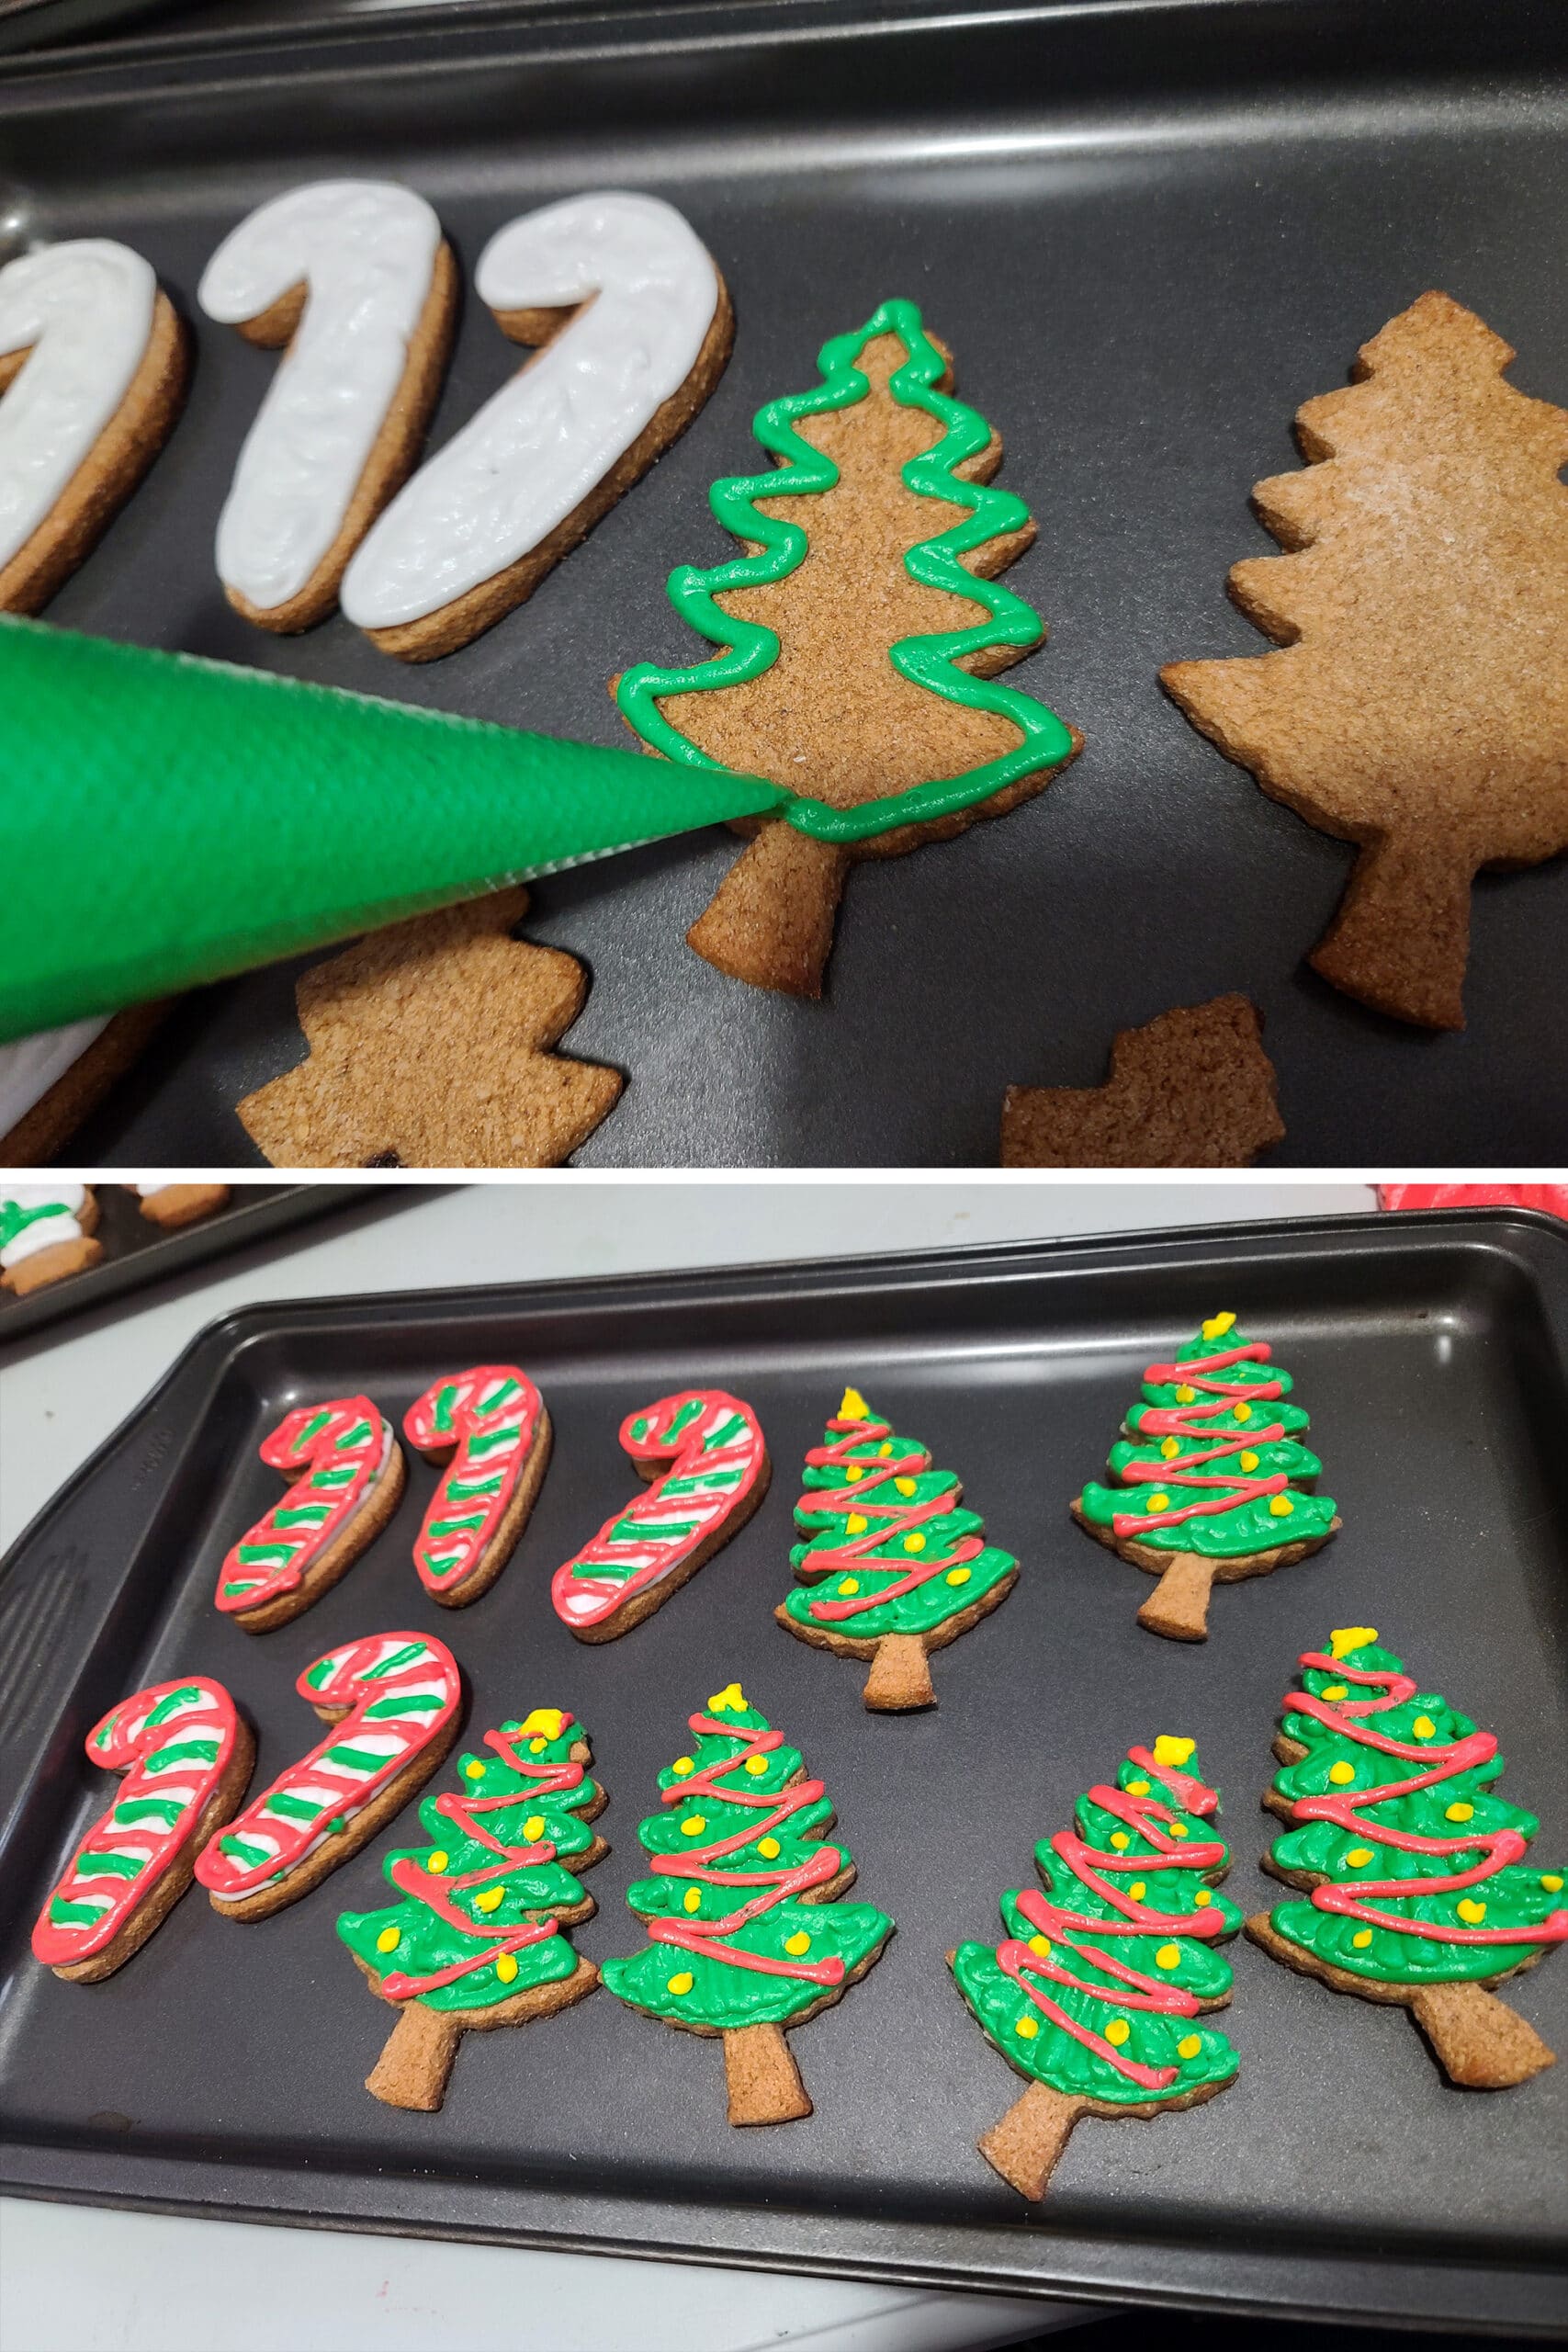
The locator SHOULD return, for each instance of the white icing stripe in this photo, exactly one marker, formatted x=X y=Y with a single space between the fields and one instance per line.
x=30 y=1065
x=43 y=1232
x=365 y=252
x=538 y=447
x=82 y=311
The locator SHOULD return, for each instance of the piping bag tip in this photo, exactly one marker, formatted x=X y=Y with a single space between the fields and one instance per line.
x=173 y=821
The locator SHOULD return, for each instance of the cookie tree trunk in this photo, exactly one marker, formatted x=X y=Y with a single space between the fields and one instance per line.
x=1025 y=2145
x=1402 y=935
x=414 y=2069
x=761 y=2077
x=1179 y=1605
x=771 y=920
x=900 y=1677
x=1481 y=2043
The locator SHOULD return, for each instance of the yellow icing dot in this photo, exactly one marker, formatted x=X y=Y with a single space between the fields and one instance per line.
x=1168 y=1956
x=1028 y=2027
x=798 y=1944
x=853 y=1408
x=1202 y=1898
x=681 y=1766
x=1281 y=1506
x=958 y=1575
x=436 y=1863
x=534 y=1827
x=489 y=1899
x=1362 y=1938
x=1159 y=1502
x=1459 y=1813
x=506 y=1968
x=1117 y=2032
x=1346 y=1638
x=1424 y=1727
x=1242 y=1412
x=680 y=1982
x=1174 y=1751
x=388 y=1939
x=853 y=1475
x=849 y=1584
x=756 y=1763
x=691 y=1900
x=1170 y=1448
x=1217 y=1325
x=1336 y=1690
x=1472 y=1913
x=693 y=1825
x=769 y=1849
x=1041 y=1946
x=904 y=1487
x=548 y=1722
x=1177 y=1829
x=1137 y=1788
x=1248 y=1460
x=856 y=1523
x=1185 y=1396
x=1138 y=1889
x=1189 y=2046
x=474 y=1770
x=1358 y=1857
x=885 y=1448
x=916 y=1543
x=1341 y=1774
x=537 y=1747
x=731 y=1701
x=1552 y=1882
x=1120 y=1840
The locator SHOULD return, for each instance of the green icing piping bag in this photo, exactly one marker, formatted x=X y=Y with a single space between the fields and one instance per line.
x=170 y=820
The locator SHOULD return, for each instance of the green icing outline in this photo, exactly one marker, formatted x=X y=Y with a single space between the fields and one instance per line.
x=929 y=659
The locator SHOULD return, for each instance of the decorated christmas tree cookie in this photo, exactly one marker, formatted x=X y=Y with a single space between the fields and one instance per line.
x=1417 y=1887
x=861 y=637
x=1209 y=1480
x=745 y=1933
x=892 y=1568
x=1097 y=1994
x=474 y=1938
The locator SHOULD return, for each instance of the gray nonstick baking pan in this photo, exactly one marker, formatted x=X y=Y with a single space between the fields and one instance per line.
x=222 y=2070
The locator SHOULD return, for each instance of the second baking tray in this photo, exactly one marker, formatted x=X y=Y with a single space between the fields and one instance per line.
x=222 y=2070
x=1148 y=230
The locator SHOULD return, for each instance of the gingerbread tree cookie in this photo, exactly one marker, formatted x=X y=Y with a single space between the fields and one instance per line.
x=431 y=1047
x=892 y=1568
x=1209 y=1479
x=1420 y=704
x=475 y=1940
x=855 y=670
x=1194 y=1089
x=1414 y=1868
x=746 y=1934
x=1094 y=1994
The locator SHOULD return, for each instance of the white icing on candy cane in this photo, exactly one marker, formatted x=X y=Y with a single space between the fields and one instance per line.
x=36 y=1216
x=537 y=449
x=83 y=312
x=30 y=1065
x=365 y=251
x=399 y=1693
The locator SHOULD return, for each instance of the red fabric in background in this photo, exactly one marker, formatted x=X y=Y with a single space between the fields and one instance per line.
x=1552 y=1198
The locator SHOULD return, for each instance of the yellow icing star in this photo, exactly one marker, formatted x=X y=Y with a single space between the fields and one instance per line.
x=544 y=1722
x=731 y=1701
x=1217 y=1325
x=1346 y=1638
x=1174 y=1751
x=853 y=1406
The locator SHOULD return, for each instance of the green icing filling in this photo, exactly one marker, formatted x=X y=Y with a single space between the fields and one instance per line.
x=1516 y=1896
x=1055 y=2057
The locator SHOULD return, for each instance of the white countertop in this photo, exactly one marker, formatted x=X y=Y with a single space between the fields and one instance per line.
x=82 y=2279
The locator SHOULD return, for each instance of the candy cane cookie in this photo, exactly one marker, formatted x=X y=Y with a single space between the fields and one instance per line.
x=718 y=1474
x=492 y=1427
x=93 y=367
x=394 y=1701
x=187 y=1754
x=45 y=1234
x=352 y=1480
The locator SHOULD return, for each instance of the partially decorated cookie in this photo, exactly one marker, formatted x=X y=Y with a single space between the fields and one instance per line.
x=1209 y=1480
x=488 y=1430
x=746 y=1933
x=93 y=367
x=1417 y=1885
x=1096 y=1995
x=707 y=1463
x=892 y=1567
x=185 y=1754
x=393 y=1702
x=476 y=1936
x=349 y=1479
x=46 y=1233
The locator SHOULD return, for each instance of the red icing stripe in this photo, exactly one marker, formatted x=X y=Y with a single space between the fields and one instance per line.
x=886 y=1518
x=1187 y=1421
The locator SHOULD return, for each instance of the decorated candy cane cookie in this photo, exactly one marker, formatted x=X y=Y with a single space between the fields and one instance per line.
x=491 y=1426
x=93 y=364
x=636 y=326
x=187 y=1756
x=718 y=1474
x=393 y=1700
x=474 y=1939
x=172 y=1205
x=46 y=1233
x=355 y=278
x=353 y=1479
